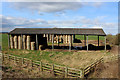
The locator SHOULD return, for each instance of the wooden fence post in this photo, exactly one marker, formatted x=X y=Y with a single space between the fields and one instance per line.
x=66 y=72
x=53 y=69
x=31 y=63
x=2 y=57
x=8 y=56
x=22 y=61
x=81 y=74
x=41 y=66
x=14 y=59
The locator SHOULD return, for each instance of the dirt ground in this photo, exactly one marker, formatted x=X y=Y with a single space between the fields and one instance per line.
x=106 y=70
x=11 y=70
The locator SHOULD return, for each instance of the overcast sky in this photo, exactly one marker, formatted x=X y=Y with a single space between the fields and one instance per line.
x=60 y=14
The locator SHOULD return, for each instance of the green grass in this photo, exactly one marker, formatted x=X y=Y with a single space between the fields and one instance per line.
x=4 y=41
x=43 y=56
x=90 y=37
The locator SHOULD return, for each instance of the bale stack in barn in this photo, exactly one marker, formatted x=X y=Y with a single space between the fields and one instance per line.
x=50 y=38
x=32 y=45
x=19 y=42
x=67 y=39
x=61 y=38
x=44 y=35
x=24 y=46
x=11 y=42
x=72 y=38
x=47 y=37
x=28 y=42
x=57 y=38
x=15 y=42
x=64 y=39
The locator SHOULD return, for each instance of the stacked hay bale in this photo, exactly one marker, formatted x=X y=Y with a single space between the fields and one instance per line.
x=32 y=45
x=67 y=39
x=57 y=38
x=19 y=42
x=11 y=42
x=64 y=39
x=28 y=42
x=15 y=42
x=72 y=38
x=24 y=46
x=44 y=35
x=40 y=47
x=47 y=37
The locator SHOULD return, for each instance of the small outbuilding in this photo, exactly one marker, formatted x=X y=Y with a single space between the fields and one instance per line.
x=38 y=38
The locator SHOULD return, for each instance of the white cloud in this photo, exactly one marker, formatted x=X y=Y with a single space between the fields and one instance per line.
x=46 y=6
x=52 y=6
x=9 y=23
x=96 y=22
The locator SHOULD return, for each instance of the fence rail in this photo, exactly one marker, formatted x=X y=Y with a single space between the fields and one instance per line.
x=90 y=68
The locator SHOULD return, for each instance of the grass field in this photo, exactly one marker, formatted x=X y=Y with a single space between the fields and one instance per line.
x=4 y=41
x=90 y=37
x=77 y=59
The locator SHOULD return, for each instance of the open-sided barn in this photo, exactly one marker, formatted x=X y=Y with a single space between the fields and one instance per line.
x=37 y=38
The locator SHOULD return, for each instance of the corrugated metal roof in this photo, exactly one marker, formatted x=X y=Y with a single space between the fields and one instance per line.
x=81 y=31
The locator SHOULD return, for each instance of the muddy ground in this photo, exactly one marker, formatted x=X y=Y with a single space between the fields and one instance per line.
x=106 y=70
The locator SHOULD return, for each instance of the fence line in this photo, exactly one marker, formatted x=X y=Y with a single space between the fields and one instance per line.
x=56 y=69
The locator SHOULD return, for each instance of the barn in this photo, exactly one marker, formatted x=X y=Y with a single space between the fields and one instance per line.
x=38 y=38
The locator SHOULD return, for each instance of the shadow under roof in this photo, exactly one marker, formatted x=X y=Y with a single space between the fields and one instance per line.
x=80 y=31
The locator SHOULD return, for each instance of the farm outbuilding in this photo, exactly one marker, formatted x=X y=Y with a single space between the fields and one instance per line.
x=38 y=38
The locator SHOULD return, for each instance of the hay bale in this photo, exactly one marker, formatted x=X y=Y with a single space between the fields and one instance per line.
x=32 y=45
x=19 y=42
x=47 y=37
x=15 y=42
x=41 y=47
x=44 y=35
x=60 y=38
x=63 y=38
x=28 y=42
x=11 y=42
x=66 y=39
x=50 y=36
x=24 y=42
